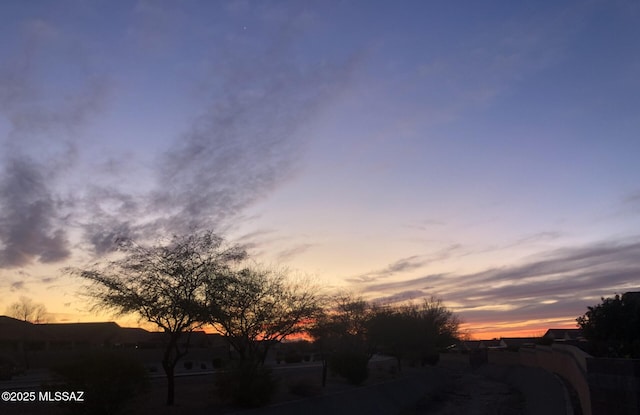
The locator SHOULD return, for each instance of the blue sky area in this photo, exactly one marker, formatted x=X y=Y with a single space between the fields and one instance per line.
x=482 y=152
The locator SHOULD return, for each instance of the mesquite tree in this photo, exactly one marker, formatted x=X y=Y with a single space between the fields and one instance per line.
x=164 y=284
x=255 y=308
x=27 y=310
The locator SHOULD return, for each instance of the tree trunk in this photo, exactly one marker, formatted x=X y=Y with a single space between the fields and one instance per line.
x=169 y=361
x=171 y=385
x=325 y=364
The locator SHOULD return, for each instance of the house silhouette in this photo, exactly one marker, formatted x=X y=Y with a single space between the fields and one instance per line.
x=43 y=345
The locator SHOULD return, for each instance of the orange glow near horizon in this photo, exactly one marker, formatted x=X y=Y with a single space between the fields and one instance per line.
x=473 y=332
x=495 y=331
x=478 y=330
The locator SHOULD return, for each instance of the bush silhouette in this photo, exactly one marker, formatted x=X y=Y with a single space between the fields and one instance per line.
x=304 y=387
x=612 y=327
x=352 y=366
x=8 y=367
x=246 y=384
x=108 y=379
x=431 y=359
x=292 y=356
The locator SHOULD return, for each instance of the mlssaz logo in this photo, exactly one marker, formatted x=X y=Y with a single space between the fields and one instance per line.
x=61 y=396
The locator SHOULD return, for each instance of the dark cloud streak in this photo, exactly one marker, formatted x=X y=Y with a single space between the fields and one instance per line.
x=551 y=284
x=40 y=146
x=294 y=251
x=245 y=142
x=29 y=228
x=406 y=265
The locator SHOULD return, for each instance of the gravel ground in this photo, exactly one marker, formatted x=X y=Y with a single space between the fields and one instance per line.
x=449 y=388
x=468 y=393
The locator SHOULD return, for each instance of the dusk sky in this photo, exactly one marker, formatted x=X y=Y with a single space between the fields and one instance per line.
x=487 y=153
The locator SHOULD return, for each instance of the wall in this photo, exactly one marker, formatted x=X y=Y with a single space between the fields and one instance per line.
x=567 y=361
x=604 y=386
x=615 y=385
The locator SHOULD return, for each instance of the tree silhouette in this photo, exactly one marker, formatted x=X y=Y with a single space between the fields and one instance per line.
x=612 y=327
x=341 y=333
x=390 y=330
x=27 y=310
x=354 y=329
x=165 y=284
x=434 y=328
x=255 y=308
x=417 y=332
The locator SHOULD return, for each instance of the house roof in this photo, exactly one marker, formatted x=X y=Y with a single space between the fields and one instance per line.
x=133 y=335
x=470 y=344
x=490 y=343
x=563 y=334
x=14 y=329
x=518 y=341
x=101 y=333
x=82 y=332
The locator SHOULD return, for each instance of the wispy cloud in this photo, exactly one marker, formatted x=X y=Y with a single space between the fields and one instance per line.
x=294 y=251
x=35 y=111
x=243 y=143
x=401 y=265
x=402 y=297
x=424 y=224
x=486 y=65
x=392 y=287
x=49 y=280
x=538 y=237
x=631 y=202
x=558 y=282
x=407 y=264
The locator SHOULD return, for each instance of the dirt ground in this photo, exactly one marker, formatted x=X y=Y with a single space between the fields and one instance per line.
x=458 y=390
x=467 y=393
x=197 y=394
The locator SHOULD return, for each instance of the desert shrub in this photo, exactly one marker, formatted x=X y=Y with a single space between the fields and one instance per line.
x=108 y=379
x=478 y=357
x=304 y=387
x=431 y=359
x=246 y=385
x=292 y=356
x=352 y=366
x=8 y=367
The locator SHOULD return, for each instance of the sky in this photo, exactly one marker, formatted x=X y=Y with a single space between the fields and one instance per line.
x=485 y=153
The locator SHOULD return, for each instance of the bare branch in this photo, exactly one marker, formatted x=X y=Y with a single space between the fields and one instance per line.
x=254 y=307
x=27 y=310
x=165 y=284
